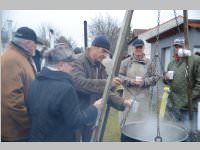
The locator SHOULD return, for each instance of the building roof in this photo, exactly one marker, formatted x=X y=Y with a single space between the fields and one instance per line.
x=137 y=32
x=168 y=28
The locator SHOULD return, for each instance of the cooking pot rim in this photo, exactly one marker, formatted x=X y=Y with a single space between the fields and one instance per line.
x=166 y=123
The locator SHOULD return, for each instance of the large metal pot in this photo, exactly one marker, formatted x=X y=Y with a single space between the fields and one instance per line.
x=147 y=131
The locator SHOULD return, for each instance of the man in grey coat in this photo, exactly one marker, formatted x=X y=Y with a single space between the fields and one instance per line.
x=138 y=74
x=90 y=77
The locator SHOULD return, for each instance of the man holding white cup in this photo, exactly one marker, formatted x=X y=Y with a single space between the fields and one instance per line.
x=138 y=74
x=176 y=77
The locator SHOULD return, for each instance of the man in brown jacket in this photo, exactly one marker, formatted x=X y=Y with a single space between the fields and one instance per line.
x=90 y=79
x=18 y=71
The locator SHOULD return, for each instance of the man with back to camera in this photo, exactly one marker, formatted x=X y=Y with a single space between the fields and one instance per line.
x=52 y=101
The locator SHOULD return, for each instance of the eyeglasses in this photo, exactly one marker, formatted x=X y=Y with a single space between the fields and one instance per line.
x=139 y=47
x=178 y=46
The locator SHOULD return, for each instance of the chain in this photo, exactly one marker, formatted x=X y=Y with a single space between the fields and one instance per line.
x=158 y=138
x=122 y=123
x=176 y=18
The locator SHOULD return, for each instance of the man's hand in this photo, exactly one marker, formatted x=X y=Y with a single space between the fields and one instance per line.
x=116 y=81
x=98 y=104
x=136 y=82
x=128 y=102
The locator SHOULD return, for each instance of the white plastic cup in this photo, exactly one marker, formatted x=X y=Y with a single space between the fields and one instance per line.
x=184 y=52
x=170 y=75
x=138 y=78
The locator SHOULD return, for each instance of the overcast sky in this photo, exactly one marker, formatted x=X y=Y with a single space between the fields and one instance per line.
x=70 y=22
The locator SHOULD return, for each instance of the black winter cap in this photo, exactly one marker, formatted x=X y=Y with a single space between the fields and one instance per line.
x=101 y=41
x=27 y=33
x=138 y=43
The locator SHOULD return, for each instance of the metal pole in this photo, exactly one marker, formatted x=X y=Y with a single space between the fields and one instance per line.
x=186 y=33
x=51 y=36
x=104 y=123
x=119 y=47
x=85 y=35
x=189 y=85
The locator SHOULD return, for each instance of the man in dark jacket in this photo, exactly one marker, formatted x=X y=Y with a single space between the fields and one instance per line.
x=90 y=78
x=52 y=101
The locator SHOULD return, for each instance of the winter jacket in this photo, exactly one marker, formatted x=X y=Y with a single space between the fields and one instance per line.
x=129 y=69
x=178 y=85
x=54 y=108
x=38 y=60
x=17 y=74
x=90 y=80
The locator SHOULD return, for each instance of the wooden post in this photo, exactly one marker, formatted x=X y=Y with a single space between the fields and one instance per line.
x=119 y=47
x=189 y=84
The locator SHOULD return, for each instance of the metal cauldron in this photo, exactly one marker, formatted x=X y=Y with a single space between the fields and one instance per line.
x=147 y=131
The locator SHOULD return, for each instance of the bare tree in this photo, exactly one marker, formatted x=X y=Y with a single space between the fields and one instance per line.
x=44 y=33
x=45 y=30
x=107 y=26
x=69 y=42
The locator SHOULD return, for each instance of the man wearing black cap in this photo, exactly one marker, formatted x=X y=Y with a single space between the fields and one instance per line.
x=138 y=74
x=90 y=79
x=18 y=71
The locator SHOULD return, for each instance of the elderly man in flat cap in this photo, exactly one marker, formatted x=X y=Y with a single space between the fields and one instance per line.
x=18 y=70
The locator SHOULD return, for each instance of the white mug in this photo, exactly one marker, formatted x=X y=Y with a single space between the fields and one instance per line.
x=184 y=52
x=170 y=75
x=138 y=78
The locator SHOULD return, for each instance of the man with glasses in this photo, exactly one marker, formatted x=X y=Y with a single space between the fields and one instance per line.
x=178 y=83
x=90 y=78
x=138 y=74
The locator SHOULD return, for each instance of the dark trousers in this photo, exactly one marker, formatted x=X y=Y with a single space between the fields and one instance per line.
x=22 y=140
x=84 y=134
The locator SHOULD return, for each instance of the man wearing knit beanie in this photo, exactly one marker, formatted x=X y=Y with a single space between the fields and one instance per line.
x=101 y=41
x=90 y=78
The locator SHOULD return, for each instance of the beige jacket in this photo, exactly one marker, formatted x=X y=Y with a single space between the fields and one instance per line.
x=129 y=69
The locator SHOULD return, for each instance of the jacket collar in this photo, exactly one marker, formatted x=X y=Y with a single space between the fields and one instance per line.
x=143 y=60
x=54 y=75
x=21 y=49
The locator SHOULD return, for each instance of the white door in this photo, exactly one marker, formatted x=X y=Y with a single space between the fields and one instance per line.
x=167 y=57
